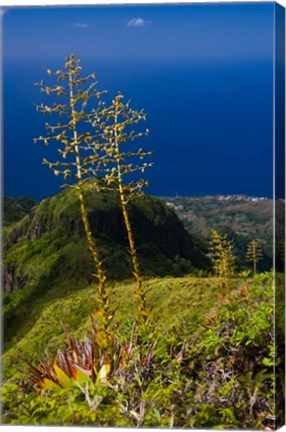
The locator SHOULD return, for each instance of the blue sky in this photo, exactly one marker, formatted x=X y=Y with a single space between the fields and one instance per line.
x=198 y=31
x=203 y=73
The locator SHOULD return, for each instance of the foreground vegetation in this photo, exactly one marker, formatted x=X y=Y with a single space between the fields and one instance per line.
x=207 y=361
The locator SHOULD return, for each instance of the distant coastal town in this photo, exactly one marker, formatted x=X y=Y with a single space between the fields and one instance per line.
x=170 y=200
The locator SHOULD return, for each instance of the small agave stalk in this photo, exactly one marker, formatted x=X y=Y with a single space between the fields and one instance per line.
x=254 y=253
x=118 y=119
x=79 y=159
x=223 y=259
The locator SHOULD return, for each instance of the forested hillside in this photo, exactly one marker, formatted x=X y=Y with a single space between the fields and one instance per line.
x=47 y=248
x=243 y=218
x=15 y=209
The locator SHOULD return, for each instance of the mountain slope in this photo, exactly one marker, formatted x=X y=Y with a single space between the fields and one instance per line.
x=46 y=251
x=175 y=302
x=243 y=218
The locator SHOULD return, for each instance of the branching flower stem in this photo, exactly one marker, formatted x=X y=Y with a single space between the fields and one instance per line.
x=140 y=291
x=75 y=139
x=99 y=274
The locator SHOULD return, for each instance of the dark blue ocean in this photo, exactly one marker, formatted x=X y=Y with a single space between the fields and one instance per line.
x=210 y=125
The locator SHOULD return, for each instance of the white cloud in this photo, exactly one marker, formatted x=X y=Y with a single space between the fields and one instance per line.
x=137 y=22
x=81 y=25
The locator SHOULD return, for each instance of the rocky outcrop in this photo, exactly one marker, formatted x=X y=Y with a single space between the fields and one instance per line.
x=36 y=231
x=8 y=278
x=10 y=281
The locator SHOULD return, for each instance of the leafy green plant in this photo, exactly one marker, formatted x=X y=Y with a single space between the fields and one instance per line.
x=236 y=351
x=68 y=407
x=83 y=367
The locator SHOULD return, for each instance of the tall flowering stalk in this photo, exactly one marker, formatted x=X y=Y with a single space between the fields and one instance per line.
x=79 y=158
x=115 y=129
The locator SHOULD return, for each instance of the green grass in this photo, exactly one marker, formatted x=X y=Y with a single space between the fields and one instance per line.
x=210 y=354
x=175 y=303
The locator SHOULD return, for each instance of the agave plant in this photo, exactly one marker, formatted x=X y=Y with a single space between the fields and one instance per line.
x=80 y=362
